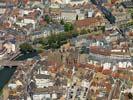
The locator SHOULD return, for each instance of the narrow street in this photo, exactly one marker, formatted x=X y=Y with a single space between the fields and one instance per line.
x=27 y=79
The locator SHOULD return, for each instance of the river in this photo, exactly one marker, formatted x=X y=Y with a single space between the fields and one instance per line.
x=5 y=75
x=7 y=72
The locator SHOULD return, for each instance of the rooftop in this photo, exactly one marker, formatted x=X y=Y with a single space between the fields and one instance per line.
x=87 y=22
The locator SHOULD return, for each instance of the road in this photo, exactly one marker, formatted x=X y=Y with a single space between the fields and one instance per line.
x=10 y=63
x=27 y=79
x=111 y=94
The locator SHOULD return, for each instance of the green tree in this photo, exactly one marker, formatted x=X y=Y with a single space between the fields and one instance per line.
x=95 y=29
x=52 y=39
x=26 y=48
x=77 y=17
x=103 y=28
x=43 y=41
x=68 y=27
x=47 y=18
x=68 y=35
x=40 y=50
x=130 y=96
x=55 y=45
x=75 y=33
x=132 y=15
x=71 y=27
x=62 y=22
x=89 y=30
x=83 y=31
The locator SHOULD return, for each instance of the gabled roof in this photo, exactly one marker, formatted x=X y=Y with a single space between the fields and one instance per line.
x=87 y=22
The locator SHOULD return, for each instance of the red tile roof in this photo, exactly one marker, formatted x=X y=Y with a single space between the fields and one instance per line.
x=42 y=22
x=124 y=76
x=98 y=69
x=114 y=1
x=131 y=78
x=7 y=25
x=130 y=33
x=87 y=22
x=97 y=37
x=115 y=75
x=99 y=50
x=106 y=72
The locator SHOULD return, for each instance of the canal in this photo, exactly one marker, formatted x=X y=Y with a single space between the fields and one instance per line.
x=5 y=75
x=26 y=56
x=7 y=72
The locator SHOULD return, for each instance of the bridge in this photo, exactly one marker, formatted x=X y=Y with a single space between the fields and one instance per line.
x=14 y=56
x=10 y=63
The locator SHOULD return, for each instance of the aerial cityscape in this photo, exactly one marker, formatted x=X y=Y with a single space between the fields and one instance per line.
x=66 y=49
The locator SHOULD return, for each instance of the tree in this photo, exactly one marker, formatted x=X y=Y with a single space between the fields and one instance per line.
x=103 y=28
x=77 y=17
x=68 y=27
x=40 y=50
x=68 y=35
x=83 y=31
x=47 y=18
x=43 y=41
x=62 y=22
x=52 y=39
x=26 y=48
x=89 y=30
x=55 y=41
x=75 y=33
x=132 y=15
x=55 y=45
x=95 y=29
x=71 y=27
x=130 y=96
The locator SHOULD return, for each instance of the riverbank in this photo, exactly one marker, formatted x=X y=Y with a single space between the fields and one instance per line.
x=7 y=72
